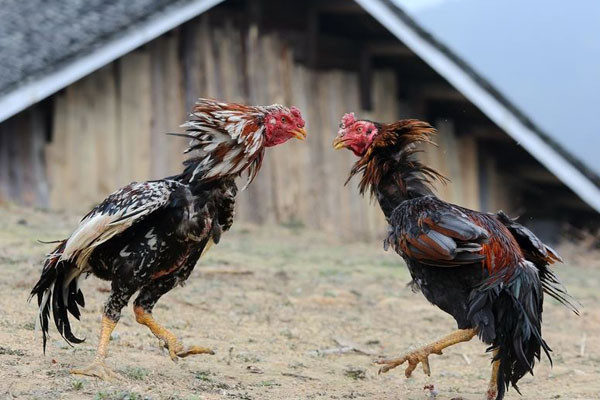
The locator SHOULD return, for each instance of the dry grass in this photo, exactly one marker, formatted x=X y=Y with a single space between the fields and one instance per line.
x=274 y=329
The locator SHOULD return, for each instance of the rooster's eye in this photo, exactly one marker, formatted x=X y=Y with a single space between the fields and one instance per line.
x=283 y=120
x=359 y=130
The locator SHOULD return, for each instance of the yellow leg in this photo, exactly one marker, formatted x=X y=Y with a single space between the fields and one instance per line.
x=493 y=386
x=98 y=368
x=175 y=347
x=421 y=355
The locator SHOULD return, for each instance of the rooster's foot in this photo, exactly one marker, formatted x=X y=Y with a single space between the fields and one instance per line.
x=413 y=358
x=98 y=369
x=177 y=350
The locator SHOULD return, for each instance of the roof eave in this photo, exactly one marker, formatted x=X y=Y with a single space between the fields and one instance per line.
x=387 y=14
x=37 y=90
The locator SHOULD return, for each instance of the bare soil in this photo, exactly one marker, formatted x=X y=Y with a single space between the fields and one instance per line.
x=286 y=310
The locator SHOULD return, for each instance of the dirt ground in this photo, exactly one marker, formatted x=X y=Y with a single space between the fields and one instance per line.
x=291 y=314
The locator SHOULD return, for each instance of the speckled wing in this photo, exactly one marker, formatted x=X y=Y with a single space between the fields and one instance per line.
x=114 y=215
x=435 y=233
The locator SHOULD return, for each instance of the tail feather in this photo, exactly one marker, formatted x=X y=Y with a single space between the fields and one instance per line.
x=516 y=302
x=58 y=291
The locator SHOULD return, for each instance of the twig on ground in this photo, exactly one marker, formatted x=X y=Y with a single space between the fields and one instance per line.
x=466 y=358
x=254 y=369
x=302 y=377
x=582 y=345
x=354 y=346
x=333 y=350
x=345 y=346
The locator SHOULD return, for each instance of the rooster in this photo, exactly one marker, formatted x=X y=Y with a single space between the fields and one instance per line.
x=147 y=237
x=486 y=270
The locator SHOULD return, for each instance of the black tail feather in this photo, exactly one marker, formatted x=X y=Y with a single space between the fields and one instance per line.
x=516 y=300
x=49 y=293
x=556 y=290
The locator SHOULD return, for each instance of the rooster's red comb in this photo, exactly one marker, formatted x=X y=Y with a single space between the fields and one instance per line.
x=295 y=111
x=348 y=119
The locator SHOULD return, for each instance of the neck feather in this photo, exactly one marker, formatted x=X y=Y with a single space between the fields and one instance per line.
x=226 y=139
x=390 y=169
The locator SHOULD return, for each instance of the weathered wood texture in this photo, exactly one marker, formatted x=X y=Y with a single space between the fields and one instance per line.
x=22 y=159
x=109 y=129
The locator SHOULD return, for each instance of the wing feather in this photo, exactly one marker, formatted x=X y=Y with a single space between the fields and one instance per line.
x=436 y=233
x=115 y=214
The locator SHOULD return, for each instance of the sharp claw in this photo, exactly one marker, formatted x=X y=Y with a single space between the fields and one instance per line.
x=409 y=370
x=426 y=368
x=413 y=358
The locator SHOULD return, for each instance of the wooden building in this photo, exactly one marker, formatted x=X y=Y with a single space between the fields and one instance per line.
x=79 y=126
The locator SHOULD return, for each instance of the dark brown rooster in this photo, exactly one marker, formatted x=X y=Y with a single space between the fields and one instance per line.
x=147 y=237
x=486 y=270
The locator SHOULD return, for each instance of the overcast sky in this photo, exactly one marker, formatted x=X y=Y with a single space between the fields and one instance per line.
x=544 y=55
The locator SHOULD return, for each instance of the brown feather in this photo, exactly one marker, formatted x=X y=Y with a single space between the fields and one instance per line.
x=393 y=149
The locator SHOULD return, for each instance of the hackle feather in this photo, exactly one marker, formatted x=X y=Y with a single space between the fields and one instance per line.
x=226 y=139
x=394 y=149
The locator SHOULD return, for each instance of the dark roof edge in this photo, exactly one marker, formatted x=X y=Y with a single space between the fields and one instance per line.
x=374 y=7
x=38 y=89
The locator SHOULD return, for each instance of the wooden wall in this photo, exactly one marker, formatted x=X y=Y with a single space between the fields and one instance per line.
x=22 y=157
x=108 y=129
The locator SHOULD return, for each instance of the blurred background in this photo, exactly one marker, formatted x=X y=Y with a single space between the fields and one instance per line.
x=88 y=90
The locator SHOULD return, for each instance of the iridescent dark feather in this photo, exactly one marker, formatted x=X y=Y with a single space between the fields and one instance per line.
x=486 y=270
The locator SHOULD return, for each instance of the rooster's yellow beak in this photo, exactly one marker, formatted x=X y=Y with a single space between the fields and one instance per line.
x=299 y=133
x=339 y=143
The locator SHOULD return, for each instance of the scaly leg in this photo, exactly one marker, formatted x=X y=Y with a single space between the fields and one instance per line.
x=98 y=368
x=121 y=292
x=493 y=386
x=175 y=347
x=421 y=355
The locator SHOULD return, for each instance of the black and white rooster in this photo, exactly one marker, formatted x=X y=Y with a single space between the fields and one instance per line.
x=147 y=237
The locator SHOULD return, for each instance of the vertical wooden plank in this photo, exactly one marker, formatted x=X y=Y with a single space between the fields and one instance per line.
x=469 y=168
x=175 y=105
x=37 y=116
x=4 y=166
x=258 y=195
x=303 y=200
x=83 y=138
x=168 y=109
x=105 y=130
x=15 y=162
x=56 y=160
x=22 y=135
x=499 y=192
x=449 y=163
x=158 y=141
x=71 y=195
x=135 y=110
